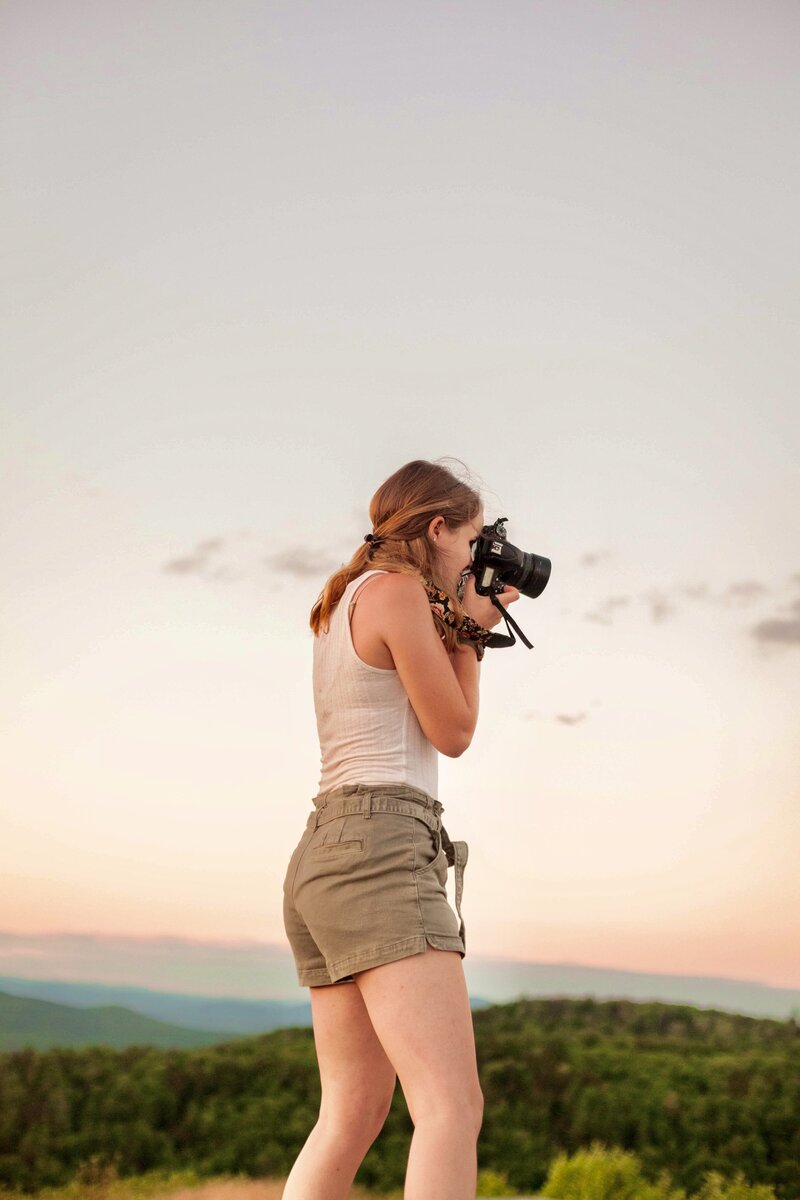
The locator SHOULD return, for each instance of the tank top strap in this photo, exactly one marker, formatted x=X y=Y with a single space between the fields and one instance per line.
x=354 y=584
x=365 y=575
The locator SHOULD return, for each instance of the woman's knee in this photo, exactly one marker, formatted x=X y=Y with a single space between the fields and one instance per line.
x=356 y=1116
x=458 y=1112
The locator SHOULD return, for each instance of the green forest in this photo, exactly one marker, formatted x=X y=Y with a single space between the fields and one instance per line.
x=686 y=1090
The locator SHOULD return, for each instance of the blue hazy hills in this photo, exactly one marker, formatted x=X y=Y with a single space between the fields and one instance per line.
x=164 y=990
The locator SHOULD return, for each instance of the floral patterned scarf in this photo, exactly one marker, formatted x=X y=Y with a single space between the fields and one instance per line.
x=467 y=629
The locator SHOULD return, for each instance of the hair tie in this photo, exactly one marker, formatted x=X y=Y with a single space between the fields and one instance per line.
x=373 y=539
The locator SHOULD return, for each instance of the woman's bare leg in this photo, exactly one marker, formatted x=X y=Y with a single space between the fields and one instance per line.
x=419 y=1007
x=358 y=1083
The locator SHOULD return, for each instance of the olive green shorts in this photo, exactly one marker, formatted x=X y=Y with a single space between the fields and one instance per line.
x=367 y=882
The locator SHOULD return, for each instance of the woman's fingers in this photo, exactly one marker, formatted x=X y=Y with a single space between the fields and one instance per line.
x=509 y=594
x=481 y=608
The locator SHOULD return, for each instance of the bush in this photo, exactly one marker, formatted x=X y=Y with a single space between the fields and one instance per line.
x=605 y=1174
x=716 y=1188
x=600 y=1173
x=492 y=1183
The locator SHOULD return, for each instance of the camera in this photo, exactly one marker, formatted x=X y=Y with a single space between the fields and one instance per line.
x=496 y=561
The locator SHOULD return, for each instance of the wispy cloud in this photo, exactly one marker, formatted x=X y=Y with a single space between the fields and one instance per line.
x=303 y=564
x=660 y=606
x=605 y=610
x=663 y=604
x=571 y=718
x=782 y=630
x=743 y=591
x=203 y=560
x=237 y=556
x=562 y=718
x=592 y=557
x=695 y=591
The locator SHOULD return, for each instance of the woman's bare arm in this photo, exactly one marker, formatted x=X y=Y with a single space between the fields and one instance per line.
x=442 y=689
x=467 y=668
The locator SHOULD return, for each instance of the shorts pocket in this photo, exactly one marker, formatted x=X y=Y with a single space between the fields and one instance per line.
x=428 y=849
x=333 y=849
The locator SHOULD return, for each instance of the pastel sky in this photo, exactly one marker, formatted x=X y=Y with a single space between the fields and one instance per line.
x=258 y=255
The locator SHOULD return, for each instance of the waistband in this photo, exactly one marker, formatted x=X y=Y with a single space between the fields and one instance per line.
x=377 y=797
x=368 y=798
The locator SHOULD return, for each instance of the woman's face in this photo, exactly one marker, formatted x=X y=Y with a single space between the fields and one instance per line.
x=454 y=546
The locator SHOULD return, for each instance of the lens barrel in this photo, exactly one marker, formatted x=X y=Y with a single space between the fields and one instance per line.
x=531 y=576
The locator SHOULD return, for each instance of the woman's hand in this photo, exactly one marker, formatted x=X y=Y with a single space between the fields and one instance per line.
x=481 y=609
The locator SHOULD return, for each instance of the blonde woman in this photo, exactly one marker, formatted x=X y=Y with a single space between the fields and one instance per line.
x=396 y=668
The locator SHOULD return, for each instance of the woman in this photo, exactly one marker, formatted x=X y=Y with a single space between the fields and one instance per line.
x=396 y=674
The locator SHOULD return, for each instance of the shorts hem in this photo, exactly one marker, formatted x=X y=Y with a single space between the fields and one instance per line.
x=390 y=952
x=320 y=979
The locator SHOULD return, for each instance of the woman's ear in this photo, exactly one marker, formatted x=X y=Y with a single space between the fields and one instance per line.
x=435 y=528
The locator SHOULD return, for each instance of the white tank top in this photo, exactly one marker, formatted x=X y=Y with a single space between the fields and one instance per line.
x=368 y=731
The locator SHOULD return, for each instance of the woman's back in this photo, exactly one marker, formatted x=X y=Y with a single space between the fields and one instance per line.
x=368 y=730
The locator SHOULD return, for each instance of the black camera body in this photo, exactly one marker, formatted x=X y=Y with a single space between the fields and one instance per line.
x=495 y=562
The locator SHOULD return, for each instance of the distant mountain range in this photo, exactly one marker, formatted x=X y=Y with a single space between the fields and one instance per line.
x=28 y=1020
x=500 y=980
x=161 y=990
x=41 y=1024
x=178 y=1009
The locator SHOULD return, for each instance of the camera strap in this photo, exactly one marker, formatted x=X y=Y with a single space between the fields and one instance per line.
x=498 y=640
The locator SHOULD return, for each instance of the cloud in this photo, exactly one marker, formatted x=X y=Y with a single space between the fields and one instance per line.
x=562 y=718
x=777 y=630
x=592 y=557
x=695 y=591
x=661 y=607
x=783 y=631
x=234 y=557
x=744 y=590
x=198 y=562
x=571 y=718
x=741 y=592
x=663 y=604
x=602 y=614
x=303 y=564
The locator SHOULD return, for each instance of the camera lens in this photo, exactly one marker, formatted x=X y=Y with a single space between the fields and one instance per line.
x=531 y=576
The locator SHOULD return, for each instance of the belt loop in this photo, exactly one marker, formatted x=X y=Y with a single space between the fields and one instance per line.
x=367 y=805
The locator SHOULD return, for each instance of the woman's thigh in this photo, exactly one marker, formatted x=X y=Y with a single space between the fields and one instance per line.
x=419 y=1008
x=358 y=1080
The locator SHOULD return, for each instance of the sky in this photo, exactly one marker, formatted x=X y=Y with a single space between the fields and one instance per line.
x=257 y=256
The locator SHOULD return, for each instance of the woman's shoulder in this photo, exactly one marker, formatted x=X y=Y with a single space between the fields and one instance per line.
x=394 y=589
x=396 y=583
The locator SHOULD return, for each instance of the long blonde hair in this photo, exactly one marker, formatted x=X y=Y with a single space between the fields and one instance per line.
x=401 y=510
